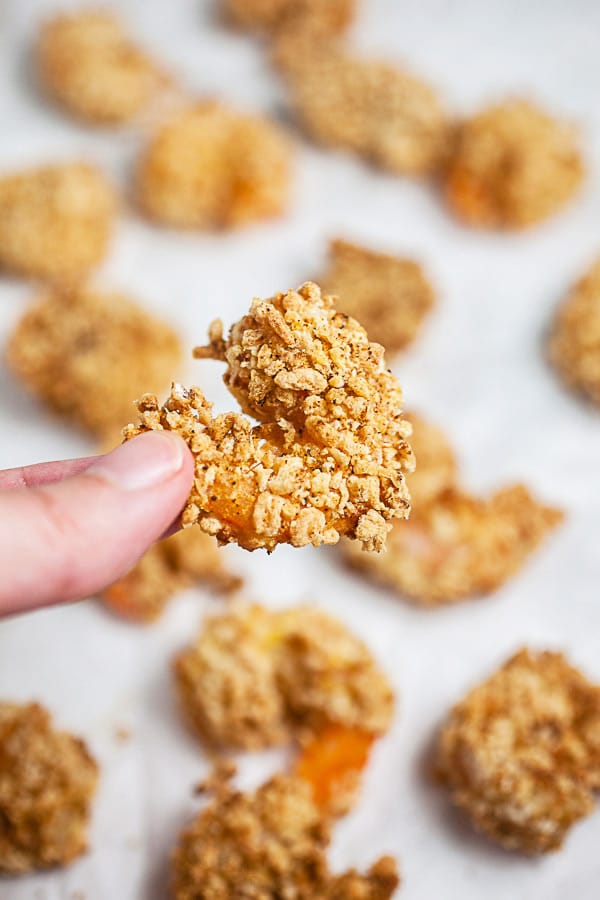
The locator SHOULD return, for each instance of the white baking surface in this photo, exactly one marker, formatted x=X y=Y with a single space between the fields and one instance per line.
x=478 y=370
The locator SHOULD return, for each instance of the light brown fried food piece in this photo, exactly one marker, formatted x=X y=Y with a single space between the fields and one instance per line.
x=520 y=755
x=388 y=295
x=574 y=343
x=329 y=455
x=47 y=781
x=379 y=111
x=511 y=166
x=458 y=546
x=436 y=466
x=87 y=355
x=88 y=64
x=171 y=565
x=210 y=166
x=322 y=17
x=268 y=844
x=55 y=221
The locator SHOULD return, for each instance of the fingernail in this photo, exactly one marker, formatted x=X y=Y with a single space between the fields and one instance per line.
x=143 y=462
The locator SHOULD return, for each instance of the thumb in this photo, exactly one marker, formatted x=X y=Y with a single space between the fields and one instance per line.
x=67 y=540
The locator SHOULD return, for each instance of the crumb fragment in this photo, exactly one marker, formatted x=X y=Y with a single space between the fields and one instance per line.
x=171 y=565
x=87 y=355
x=512 y=165
x=520 y=755
x=574 y=344
x=329 y=455
x=383 y=113
x=459 y=546
x=270 y=843
x=88 y=64
x=47 y=781
x=55 y=221
x=436 y=466
x=322 y=17
x=212 y=167
x=388 y=295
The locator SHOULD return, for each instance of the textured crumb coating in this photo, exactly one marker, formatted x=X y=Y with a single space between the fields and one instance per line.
x=322 y=17
x=574 y=344
x=256 y=678
x=383 y=113
x=174 y=564
x=88 y=355
x=458 y=546
x=88 y=64
x=268 y=844
x=55 y=221
x=47 y=781
x=210 y=166
x=512 y=165
x=520 y=755
x=436 y=466
x=329 y=456
x=388 y=295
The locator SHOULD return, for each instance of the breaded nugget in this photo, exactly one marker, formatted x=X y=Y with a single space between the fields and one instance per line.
x=329 y=456
x=213 y=167
x=47 y=781
x=520 y=755
x=381 y=112
x=388 y=295
x=459 y=546
x=268 y=844
x=87 y=355
x=574 y=344
x=55 y=221
x=322 y=17
x=512 y=165
x=87 y=63
x=436 y=467
x=169 y=566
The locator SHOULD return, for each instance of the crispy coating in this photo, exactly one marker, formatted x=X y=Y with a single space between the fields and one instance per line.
x=255 y=678
x=212 y=167
x=388 y=295
x=47 y=781
x=512 y=165
x=574 y=344
x=87 y=355
x=436 y=467
x=169 y=566
x=55 y=221
x=87 y=63
x=383 y=113
x=520 y=754
x=329 y=456
x=458 y=546
x=265 y=845
x=322 y=17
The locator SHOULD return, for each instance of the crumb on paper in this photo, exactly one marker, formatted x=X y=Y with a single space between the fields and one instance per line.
x=47 y=781
x=210 y=166
x=55 y=221
x=389 y=296
x=520 y=755
x=512 y=165
x=329 y=455
x=574 y=343
x=88 y=355
x=321 y=17
x=270 y=843
x=122 y=734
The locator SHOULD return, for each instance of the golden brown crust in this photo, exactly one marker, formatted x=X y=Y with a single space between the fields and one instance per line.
x=47 y=781
x=212 y=167
x=329 y=456
x=436 y=466
x=55 y=221
x=322 y=17
x=574 y=344
x=520 y=754
x=512 y=165
x=87 y=355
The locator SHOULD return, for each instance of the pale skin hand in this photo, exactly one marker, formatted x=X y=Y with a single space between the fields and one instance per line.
x=70 y=528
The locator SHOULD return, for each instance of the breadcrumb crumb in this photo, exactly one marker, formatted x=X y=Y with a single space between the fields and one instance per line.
x=520 y=755
x=322 y=17
x=47 y=781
